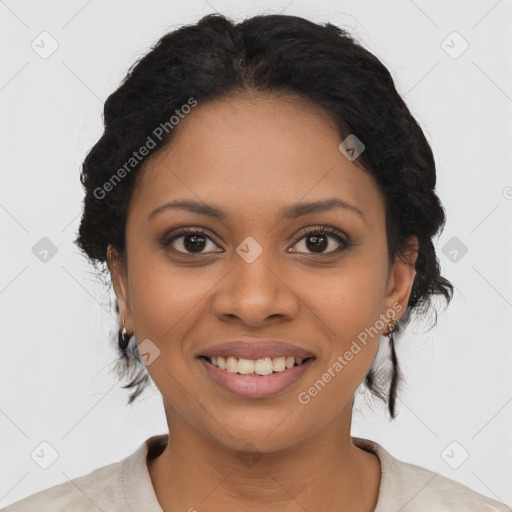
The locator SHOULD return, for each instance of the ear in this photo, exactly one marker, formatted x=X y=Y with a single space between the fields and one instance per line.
x=118 y=273
x=401 y=278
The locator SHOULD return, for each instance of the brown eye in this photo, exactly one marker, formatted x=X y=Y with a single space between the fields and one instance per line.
x=189 y=242
x=319 y=240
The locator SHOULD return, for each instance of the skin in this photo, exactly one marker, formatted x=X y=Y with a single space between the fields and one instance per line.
x=251 y=155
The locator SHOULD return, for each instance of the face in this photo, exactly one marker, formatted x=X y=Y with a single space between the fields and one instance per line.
x=256 y=274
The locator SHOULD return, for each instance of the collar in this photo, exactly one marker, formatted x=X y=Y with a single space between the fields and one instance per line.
x=140 y=495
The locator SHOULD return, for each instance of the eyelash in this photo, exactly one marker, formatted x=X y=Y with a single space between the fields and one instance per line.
x=322 y=230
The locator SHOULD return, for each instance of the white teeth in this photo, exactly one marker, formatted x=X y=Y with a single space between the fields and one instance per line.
x=278 y=364
x=232 y=365
x=264 y=366
x=245 y=366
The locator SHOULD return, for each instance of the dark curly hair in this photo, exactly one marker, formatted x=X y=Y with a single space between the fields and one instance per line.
x=285 y=55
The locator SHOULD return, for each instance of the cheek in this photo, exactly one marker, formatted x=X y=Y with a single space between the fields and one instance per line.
x=349 y=303
x=164 y=299
x=349 y=311
x=349 y=300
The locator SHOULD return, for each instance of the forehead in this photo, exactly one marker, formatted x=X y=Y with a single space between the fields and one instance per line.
x=260 y=151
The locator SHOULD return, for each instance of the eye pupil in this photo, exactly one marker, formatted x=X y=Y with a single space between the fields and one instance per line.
x=197 y=243
x=319 y=242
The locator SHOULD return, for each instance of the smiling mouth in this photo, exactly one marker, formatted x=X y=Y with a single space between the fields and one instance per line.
x=255 y=367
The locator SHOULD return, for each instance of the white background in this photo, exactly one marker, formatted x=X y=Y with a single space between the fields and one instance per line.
x=56 y=379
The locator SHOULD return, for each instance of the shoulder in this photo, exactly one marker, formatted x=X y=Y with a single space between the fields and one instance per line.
x=92 y=492
x=117 y=487
x=432 y=491
x=410 y=488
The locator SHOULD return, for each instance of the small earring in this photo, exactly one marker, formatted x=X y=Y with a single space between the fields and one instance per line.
x=123 y=339
x=395 y=375
x=391 y=328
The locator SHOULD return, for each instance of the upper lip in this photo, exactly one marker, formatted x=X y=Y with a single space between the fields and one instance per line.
x=257 y=349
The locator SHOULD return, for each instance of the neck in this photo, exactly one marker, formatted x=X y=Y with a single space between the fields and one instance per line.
x=325 y=472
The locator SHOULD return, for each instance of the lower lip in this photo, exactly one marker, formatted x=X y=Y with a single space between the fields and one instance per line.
x=256 y=387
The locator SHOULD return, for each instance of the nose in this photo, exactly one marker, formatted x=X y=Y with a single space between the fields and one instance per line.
x=254 y=292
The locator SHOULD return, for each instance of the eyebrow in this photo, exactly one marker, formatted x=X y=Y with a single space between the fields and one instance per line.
x=289 y=212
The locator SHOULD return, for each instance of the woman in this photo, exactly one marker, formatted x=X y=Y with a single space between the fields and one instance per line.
x=265 y=205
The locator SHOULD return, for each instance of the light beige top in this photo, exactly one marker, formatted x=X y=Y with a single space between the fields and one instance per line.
x=125 y=486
